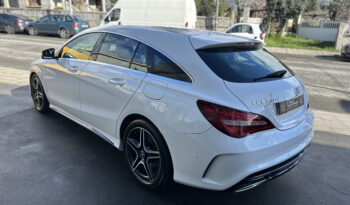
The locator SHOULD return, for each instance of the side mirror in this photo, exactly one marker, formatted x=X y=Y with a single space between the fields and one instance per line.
x=48 y=53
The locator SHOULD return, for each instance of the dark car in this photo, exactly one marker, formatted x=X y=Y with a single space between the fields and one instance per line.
x=12 y=23
x=62 y=25
x=345 y=52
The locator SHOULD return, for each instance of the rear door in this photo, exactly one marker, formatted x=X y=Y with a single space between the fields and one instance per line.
x=108 y=83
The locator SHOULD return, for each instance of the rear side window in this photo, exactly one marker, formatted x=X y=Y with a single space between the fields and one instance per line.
x=139 y=61
x=241 y=66
x=81 y=47
x=159 y=64
x=246 y=29
x=117 y=50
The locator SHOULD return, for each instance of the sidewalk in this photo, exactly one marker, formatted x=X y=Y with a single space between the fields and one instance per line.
x=303 y=52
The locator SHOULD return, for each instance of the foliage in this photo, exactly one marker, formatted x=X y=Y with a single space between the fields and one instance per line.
x=205 y=7
x=339 y=10
x=292 y=41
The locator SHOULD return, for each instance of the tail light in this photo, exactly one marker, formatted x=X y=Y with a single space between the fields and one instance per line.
x=19 y=22
x=234 y=123
x=75 y=25
x=262 y=36
x=186 y=24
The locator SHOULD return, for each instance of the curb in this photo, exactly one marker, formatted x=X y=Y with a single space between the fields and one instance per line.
x=303 y=52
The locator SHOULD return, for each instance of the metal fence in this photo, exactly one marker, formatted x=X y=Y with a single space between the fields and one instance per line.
x=319 y=30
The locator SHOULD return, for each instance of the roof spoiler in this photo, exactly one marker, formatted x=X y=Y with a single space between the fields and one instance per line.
x=235 y=45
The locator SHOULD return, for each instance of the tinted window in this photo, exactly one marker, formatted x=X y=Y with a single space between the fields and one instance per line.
x=236 y=29
x=81 y=47
x=159 y=64
x=45 y=18
x=139 y=60
x=69 y=18
x=246 y=29
x=117 y=50
x=77 y=18
x=241 y=66
x=262 y=29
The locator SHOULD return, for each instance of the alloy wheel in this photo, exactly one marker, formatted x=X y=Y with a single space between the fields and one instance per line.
x=143 y=155
x=63 y=33
x=38 y=94
x=32 y=31
x=9 y=29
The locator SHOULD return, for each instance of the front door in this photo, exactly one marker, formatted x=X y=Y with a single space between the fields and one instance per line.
x=108 y=83
x=62 y=77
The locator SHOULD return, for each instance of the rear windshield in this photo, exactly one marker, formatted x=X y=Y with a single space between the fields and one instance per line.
x=242 y=66
x=77 y=18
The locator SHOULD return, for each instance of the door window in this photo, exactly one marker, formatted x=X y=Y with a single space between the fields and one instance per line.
x=113 y=16
x=159 y=64
x=139 y=60
x=81 y=47
x=236 y=29
x=117 y=50
x=45 y=19
x=246 y=29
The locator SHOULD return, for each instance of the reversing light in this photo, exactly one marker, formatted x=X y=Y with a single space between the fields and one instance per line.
x=235 y=123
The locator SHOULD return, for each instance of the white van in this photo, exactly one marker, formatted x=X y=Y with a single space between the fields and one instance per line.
x=172 y=13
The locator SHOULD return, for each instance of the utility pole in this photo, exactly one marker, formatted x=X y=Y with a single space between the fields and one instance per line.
x=70 y=8
x=217 y=15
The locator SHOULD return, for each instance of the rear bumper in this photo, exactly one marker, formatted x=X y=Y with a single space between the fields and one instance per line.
x=268 y=174
x=215 y=161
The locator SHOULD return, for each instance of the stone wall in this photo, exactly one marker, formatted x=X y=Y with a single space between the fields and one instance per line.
x=93 y=18
x=208 y=23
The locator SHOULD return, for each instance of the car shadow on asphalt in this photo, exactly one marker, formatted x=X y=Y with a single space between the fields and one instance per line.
x=333 y=58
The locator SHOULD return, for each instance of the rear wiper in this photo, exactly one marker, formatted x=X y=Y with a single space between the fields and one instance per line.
x=277 y=74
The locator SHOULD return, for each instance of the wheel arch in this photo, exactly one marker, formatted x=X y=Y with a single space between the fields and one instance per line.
x=135 y=116
x=127 y=120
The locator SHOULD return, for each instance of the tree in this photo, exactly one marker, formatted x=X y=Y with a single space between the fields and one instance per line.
x=282 y=10
x=338 y=10
x=205 y=7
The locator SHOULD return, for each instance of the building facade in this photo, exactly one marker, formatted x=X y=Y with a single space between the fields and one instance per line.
x=78 y=5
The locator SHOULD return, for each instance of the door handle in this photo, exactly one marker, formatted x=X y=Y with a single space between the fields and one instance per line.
x=117 y=81
x=73 y=69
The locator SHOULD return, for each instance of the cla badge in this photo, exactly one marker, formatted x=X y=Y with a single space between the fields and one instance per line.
x=265 y=102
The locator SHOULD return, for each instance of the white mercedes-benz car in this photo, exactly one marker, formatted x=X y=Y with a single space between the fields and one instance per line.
x=205 y=109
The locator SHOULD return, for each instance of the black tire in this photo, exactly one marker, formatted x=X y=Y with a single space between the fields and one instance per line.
x=37 y=92
x=9 y=29
x=32 y=31
x=143 y=156
x=63 y=33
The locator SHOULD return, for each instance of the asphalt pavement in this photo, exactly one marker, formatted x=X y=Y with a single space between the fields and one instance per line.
x=48 y=159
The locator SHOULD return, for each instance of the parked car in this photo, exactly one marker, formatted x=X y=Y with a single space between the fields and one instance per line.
x=13 y=23
x=63 y=25
x=205 y=109
x=179 y=13
x=249 y=30
x=345 y=52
